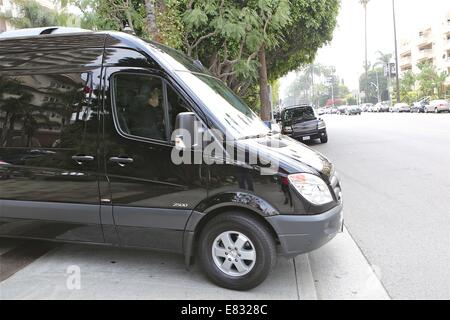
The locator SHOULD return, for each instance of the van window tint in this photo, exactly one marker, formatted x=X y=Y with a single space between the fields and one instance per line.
x=139 y=103
x=46 y=110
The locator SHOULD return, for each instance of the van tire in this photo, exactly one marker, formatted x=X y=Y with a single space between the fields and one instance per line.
x=259 y=236
x=324 y=139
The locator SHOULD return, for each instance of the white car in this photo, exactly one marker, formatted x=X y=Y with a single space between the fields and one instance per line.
x=377 y=107
x=437 y=106
x=401 y=107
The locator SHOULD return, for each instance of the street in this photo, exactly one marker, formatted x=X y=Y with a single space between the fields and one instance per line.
x=395 y=172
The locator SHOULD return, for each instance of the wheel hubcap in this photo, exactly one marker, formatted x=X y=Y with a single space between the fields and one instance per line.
x=233 y=253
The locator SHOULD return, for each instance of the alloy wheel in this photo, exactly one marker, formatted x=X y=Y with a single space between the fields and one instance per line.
x=233 y=253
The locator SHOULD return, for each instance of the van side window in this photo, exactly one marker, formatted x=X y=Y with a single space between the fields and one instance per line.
x=34 y=113
x=139 y=104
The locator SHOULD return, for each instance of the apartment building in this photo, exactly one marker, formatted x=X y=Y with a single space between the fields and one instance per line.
x=9 y=7
x=431 y=44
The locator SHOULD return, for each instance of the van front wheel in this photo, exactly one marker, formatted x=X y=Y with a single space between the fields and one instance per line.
x=236 y=251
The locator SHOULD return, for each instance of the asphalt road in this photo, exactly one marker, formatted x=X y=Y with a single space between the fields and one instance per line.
x=395 y=172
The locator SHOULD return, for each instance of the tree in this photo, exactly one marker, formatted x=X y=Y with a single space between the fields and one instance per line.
x=112 y=15
x=383 y=59
x=407 y=83
x=351 y=100
x=302 y=88
x=431 y=82
x=245 y=43
x=32 y=15
x=372 y=92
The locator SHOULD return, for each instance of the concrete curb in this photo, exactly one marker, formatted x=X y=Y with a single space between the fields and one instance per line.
x=342 y=272
x=305 y=279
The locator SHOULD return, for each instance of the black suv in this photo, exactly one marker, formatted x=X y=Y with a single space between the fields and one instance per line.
x=108 y=139
x=301 y=123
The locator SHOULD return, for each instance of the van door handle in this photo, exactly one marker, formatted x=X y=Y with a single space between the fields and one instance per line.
x=82 y=158
x=121 y=160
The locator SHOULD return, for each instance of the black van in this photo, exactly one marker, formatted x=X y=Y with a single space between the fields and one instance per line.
x=92 y=129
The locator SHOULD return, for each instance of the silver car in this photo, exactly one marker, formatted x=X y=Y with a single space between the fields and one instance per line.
x=437 y=106
x=401 y=107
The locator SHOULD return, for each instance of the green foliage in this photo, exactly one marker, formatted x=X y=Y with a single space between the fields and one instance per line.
x=372 y=95
x=301 y=90
x=33 y=15
x=311 y=26
x=226 y=35
x=407 y=90
x=431 y=82
x=111 y=14
x=351 y=100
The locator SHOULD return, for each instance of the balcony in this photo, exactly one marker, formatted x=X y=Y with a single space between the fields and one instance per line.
x=426 y=41
x=426 y=54
x=405 y=63
x=405 y=54
x=406 y=67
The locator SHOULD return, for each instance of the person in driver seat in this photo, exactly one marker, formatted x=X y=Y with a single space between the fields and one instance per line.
x=147 y=115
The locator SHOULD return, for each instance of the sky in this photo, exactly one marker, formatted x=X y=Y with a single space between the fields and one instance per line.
x=346 y=50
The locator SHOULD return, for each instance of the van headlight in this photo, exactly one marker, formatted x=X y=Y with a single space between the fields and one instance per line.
x=311 y=187
x=321 y=125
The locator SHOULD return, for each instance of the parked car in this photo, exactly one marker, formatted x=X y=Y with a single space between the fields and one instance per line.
x=342 y=109
x=401 y=107
x=437 y=106
x=384 y=106
x=301 y=123
x=352 y=110
x=126 y=157
x=376 y=107
x=420 y=105
x=366 y=107
x=321 y=111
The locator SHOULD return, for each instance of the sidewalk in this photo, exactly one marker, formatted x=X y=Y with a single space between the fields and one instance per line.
x=336 y=271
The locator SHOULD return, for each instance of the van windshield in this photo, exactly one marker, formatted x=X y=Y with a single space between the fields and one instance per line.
x=301 y=114
x=238 y=120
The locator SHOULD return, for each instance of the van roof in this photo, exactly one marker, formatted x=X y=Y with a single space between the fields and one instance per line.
x=32 y=32
x=51 y=38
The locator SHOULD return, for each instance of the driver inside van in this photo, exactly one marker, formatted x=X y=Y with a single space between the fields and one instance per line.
x=146 y=115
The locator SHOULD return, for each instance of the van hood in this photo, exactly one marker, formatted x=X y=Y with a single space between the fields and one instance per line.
x=291 y=155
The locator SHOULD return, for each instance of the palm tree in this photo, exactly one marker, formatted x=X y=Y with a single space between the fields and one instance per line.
x=364 y=3
x=383 y=59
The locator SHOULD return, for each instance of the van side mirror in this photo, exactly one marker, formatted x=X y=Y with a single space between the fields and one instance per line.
x=186 y=130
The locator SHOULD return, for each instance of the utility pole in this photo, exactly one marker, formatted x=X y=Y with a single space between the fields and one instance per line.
x=332 y=90
x=396 y=53
x=378 y=87
x=366 y=63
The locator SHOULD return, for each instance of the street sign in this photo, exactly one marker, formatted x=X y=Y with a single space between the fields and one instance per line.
x=393 y=70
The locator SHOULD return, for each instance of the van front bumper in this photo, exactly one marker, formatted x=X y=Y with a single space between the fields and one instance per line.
x=304 y=233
